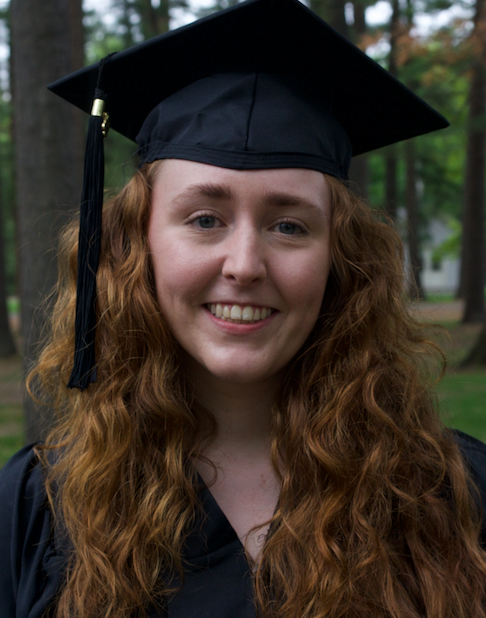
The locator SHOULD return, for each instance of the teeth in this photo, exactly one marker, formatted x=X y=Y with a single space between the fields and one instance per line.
x=248 y=314
x=235 y=313
x=238 y=314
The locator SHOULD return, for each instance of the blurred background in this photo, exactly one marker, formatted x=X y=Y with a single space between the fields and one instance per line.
x=432 y=188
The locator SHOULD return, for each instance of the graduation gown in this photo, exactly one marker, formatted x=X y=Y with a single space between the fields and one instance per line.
x=217 y=579
x=33 y=554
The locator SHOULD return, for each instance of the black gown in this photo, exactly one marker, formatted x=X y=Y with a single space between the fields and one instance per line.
x=218 y=578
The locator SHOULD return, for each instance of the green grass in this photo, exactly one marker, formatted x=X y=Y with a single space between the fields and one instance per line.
x=11 y=430
x=443 y=297
x=13 y=304
x=462 y=400
x=439 y=298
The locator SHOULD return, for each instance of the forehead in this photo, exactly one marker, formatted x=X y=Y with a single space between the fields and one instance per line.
x=179 y=180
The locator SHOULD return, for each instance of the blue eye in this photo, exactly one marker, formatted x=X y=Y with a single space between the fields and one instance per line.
x=206 y=222
x=287 y=228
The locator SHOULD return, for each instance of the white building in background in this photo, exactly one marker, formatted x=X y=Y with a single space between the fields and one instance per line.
x=439 y=276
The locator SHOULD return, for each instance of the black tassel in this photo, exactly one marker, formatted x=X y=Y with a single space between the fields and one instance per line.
x=89 y=246
x=84 y=371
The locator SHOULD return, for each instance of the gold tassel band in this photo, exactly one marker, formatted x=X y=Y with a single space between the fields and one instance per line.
x=97 y=110
x=98 y=107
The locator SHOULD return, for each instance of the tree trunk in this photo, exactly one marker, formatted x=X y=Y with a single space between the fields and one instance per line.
x=359 y=28
x=333 y=11
x=77 y=61
x=359 y=176
x=359 y=172
x=473 y=242
x=7 y=345
x=416 y=290
x=155 y=20
x=391 y=192
x=45 y=46
x=477 y=356
x=411 y=202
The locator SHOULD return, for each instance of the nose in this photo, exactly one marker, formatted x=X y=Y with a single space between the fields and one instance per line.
x=244 y=261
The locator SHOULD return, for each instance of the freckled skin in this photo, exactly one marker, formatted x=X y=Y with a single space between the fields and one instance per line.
x=259 y=237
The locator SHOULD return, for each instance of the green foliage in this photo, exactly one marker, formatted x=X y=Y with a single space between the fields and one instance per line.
x=437 y=74
x=120 y=161
x=433 y=6
x=217 y=5
x=223 y=4
x=13 y=304
x=105 y=36
x=435 y=68
x=451 y=246
x=376 y=188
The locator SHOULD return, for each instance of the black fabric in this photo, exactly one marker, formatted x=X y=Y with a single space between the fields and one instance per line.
x=474 y=452
x=32 y=558
x=218 y=578
x=233 y=120
x=257 y=37
x=89 y=244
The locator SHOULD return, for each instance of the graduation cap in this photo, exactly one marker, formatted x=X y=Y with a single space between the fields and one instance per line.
x=263 y=84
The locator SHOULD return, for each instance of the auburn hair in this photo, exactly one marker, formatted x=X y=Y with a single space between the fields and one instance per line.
x=375 y=517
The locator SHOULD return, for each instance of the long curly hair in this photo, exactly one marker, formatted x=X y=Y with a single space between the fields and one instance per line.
x=375 y=517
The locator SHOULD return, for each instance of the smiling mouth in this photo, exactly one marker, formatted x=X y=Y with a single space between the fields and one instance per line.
x=238 y=314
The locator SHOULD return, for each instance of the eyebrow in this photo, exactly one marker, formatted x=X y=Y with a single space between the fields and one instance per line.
x=212 y=191
x=289 y=199
x=224 y=193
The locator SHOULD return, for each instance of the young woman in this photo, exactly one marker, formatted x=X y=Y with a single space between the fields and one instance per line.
x=261 y=438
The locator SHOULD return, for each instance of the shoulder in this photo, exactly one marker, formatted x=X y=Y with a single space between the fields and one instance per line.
x=474 y=454
x=30 y=566
x=21 y=490
x=20 y=477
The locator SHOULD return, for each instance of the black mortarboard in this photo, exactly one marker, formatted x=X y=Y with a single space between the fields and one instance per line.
x=263 y=84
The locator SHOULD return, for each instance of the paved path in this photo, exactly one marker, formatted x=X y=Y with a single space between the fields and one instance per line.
x=10 y=380
x=440 y=312
x=10 y=393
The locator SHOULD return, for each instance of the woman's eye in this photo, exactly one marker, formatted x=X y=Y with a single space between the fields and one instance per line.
x=206 y=222
x=288 y=228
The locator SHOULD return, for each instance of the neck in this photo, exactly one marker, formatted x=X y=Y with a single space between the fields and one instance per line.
x=243 y=414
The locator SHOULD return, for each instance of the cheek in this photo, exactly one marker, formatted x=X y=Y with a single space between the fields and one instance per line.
x=305 y=282
x=166 y=265
x=180 y=273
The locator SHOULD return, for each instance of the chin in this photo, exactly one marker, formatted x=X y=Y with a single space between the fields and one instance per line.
x=243 y=375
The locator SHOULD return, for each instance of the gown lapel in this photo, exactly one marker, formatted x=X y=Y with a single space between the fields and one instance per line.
x=218 y=579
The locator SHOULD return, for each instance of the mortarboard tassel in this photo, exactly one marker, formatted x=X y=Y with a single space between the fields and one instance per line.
x=84 y=369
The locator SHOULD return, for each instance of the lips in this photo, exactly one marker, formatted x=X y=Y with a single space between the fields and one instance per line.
x=239 y=314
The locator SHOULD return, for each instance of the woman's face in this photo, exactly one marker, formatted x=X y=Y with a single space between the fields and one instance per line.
x=241 y=260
